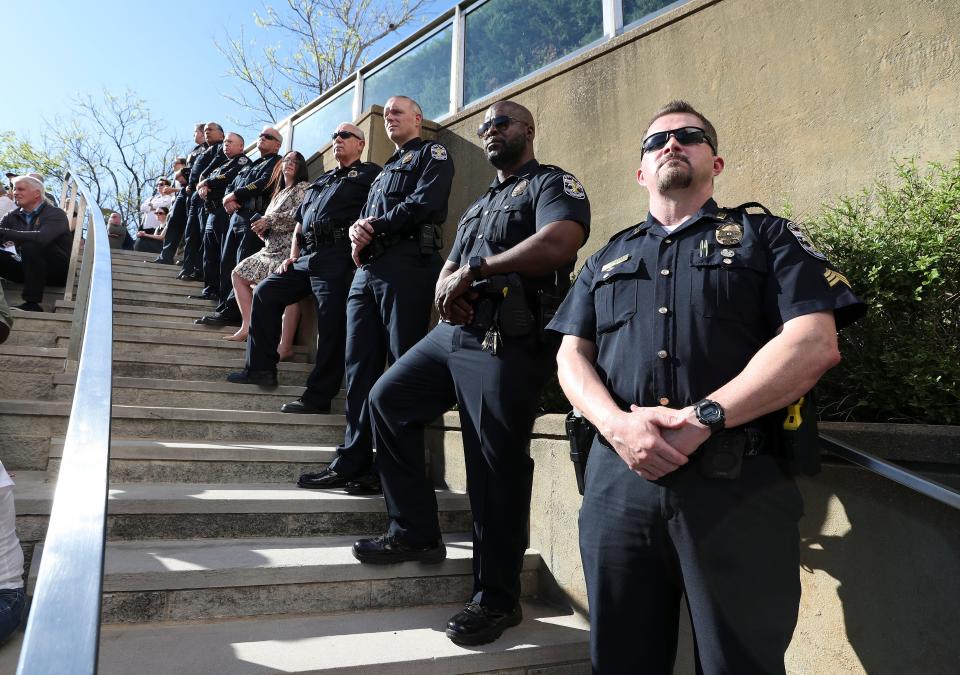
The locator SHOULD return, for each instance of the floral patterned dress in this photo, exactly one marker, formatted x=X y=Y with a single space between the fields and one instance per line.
x=280 y=220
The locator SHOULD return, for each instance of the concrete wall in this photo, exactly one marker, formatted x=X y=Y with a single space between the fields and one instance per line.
x=811 y=100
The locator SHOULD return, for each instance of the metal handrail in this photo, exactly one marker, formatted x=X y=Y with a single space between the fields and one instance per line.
x=63 y=631
x=925 y=486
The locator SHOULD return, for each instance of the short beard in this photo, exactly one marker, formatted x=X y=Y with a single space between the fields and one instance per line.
x=674 y=177
x=509 y=153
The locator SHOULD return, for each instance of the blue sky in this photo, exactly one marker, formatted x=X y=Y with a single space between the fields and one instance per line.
x=163 y=51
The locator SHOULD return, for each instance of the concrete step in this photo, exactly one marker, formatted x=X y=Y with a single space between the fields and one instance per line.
x=195 y=367
x=12 y=292
x=212 y=511
x=159 y=273
x=28 y=370
x=219 y=395
x=148 y=299
x=156 y=288
x=134 y=460
x=189 y=580
x=20 y=337
x=143 y=344
x=170 y=326
x=120 y=275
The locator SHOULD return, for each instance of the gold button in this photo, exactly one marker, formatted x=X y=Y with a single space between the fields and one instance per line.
x=664 y=400
x=663 y=310
x=662 y=354
x=665 y=273
x=668 y=241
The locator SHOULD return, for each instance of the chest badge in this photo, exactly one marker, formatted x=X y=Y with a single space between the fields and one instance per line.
x=407 y=158
x=573 y=187
x=613 y=263
x=520 y=188
x=438 y=152
x=353 y=173
x=729 y=234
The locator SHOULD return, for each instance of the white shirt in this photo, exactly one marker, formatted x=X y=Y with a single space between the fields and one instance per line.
x=6 y=205
x=11 y=555
x=149 y=210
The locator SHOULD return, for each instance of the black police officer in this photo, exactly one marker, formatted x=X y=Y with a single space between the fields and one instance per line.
x=246 y=200
x=395 y=244
x=321 y=265
x=177 y=221
x=509 y=267
x=685 y=338
x=192 y=266
x=212 y=189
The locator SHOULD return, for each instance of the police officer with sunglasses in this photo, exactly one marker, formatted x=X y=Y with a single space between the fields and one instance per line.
x=686 y=339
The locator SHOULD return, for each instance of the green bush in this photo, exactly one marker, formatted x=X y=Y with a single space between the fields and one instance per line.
x=899 y=244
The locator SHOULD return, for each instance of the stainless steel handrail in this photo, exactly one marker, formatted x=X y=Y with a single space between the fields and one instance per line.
x=63 y=631
x=925 y=486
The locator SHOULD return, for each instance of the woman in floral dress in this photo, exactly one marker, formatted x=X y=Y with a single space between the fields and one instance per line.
x=276 y=229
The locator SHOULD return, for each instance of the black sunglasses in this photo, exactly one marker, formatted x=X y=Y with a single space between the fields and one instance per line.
x=501 y=122
x=344 y=135
x=270 y=138
x=684 y=136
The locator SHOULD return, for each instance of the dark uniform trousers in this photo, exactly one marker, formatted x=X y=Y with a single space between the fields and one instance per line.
x=176 y=224
x=214 y=232
x=497 y=398
x=147 y=245
x=730 y=545
x=239 y=243
x=193 y=236
x=39 y=266
x=388 y=311
x=326 y=274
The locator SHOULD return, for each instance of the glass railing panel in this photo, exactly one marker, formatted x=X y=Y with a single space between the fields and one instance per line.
x=634 y=10
x=508 y=39
x=422 y=73
x=313 y=132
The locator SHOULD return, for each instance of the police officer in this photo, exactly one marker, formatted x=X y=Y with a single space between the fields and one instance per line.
x=177 y=221
x=395 y=245
x=509 y=267
x=685 y=338
x=246 y=201
x=212 y=189
x=321 y=265
x=192 y=267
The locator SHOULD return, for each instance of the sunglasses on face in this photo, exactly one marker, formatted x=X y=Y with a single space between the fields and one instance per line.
x=344 y=135
x=270 y=138
x=501 y=122
x=684 y=136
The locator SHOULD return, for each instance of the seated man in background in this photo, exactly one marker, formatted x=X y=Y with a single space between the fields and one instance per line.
x=116 y=230
x=12 y=595
x=42 y=238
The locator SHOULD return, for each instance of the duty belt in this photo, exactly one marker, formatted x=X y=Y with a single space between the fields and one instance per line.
x=756 y=441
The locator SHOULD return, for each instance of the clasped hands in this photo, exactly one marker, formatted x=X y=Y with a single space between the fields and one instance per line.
x=361 y=234
x=655 y=441
x=453 y=295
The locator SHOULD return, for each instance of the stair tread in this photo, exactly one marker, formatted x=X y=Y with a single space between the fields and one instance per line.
x=173 y=450
x=169 y=413
x=192 y=385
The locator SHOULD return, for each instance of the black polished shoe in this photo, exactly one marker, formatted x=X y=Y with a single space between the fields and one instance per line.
x=386 y=550
x=183 y=276
x=264 y=378
x=478 y=625
x=302 y=407
x=324 y=480
x=368 y=484
x=218 y=319
x=203 y=296
x=30 y=307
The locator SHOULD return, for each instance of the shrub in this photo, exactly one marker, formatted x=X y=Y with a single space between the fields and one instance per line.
x=899 y=244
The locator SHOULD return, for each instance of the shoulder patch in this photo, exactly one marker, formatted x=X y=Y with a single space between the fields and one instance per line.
x=437 y=151
x=804 y=241
x=573 y=187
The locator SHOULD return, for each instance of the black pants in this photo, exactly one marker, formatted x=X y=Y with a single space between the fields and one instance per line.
x=497 y=398
x=239 y=243
x=176 y=224
x=37 y=267
x=388 y=310
x=193 y=236
x=214 y=232
x=147 y=245
x=325 y=274
x=731 y=546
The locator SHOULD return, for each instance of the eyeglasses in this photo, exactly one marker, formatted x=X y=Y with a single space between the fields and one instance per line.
x=501 y=122
x=344 y=135
x=269 y=137
x=684 y=136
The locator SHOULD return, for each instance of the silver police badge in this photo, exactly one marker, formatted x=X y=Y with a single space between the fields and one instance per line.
x=804 y=241
x=573 y=187
x=353 y=173
x=520 y=188
x=729 y=234
x=407 y=158
x=438 y=152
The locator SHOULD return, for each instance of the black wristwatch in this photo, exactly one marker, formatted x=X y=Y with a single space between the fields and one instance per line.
x=710 y=414
x=476 y=266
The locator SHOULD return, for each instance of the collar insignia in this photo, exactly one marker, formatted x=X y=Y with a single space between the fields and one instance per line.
x=407 y=158
x=353 y=173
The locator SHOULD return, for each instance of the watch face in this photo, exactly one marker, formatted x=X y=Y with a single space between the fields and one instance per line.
x=709 y=413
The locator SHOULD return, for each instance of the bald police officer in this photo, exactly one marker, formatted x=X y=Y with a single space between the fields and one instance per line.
x=685 y=338
x=508 y=269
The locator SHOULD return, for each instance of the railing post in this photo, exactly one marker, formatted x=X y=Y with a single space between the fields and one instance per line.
x=612 y=17
x=456 y=60
x=78 y=232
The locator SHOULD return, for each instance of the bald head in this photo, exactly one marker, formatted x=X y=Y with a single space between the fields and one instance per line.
x=348 y=150
x=403 y=119
x=514 y=110
x=507 y=135
x=269 y=141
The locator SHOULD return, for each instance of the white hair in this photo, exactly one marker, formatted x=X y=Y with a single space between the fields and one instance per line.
x=31 y=180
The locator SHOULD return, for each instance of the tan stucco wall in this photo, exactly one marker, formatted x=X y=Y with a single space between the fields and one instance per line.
x=811 y=100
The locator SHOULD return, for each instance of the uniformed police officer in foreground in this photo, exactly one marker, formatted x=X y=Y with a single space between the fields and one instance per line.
x=177 y=222
x=395 y=244
x=196 y=214
x=508 y=269
x=685 y=338
x=321 y=264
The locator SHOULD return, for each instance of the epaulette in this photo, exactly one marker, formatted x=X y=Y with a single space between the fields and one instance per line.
x=751 y=205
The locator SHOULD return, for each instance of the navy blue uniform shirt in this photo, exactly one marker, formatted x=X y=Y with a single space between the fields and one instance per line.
x=203 y=161
x=509 y=212
x=219 y=175
x=412 y=189
x=250 y=184
x=334 y=200
x=676 y=316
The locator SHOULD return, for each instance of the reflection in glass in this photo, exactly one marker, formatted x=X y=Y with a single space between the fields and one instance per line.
x=313 y=132
x=507 y=39
x=423 y=74
x=637 y=9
